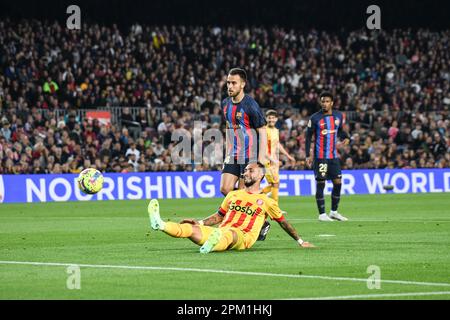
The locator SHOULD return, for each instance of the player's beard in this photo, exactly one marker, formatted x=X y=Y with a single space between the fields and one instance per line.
x=249 y=183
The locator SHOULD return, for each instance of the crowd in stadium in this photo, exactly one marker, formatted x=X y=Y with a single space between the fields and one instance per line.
x=393 y=86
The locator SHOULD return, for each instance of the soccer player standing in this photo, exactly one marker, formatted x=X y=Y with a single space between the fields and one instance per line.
x=326 y=127
x=274 y=147
x=245 y=127
x=246 y=134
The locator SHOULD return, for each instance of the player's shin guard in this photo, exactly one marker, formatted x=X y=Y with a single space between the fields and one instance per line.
x=266 y=190
x=319 y=196
x=335 y=196
x=177 y=230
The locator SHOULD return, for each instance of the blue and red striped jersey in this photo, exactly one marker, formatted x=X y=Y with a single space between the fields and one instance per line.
x=243 y=119
x=325 y=129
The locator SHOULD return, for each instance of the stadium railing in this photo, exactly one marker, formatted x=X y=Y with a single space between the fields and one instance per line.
x=116 y=112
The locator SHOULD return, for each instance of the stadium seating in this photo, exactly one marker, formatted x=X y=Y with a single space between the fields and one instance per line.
x=154 y=80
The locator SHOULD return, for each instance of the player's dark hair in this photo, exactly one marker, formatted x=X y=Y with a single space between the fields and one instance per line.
x=240 y=72
x=271 y=112
x=261 y=166
x=326 y=94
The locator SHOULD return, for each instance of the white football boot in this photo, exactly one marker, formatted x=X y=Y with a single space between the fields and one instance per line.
x=324 y=217
x=337 y=216
x=153 y=212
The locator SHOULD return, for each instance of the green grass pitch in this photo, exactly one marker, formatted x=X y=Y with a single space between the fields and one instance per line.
x=406 y=236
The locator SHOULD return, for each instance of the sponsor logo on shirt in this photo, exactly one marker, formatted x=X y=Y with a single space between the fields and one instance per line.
x=243 y=209
x=325 y=132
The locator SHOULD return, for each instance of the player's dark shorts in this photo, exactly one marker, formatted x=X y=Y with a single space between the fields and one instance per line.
x=327 y=169
x=234 y=167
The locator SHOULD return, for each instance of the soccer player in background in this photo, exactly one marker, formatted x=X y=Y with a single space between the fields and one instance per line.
x=274 y=147
x=245 y=134
x=326 y=127
x=241 y=217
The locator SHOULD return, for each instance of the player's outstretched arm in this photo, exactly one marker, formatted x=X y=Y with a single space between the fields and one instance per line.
x=283 y=151
x=209 y=221
x=290 y=230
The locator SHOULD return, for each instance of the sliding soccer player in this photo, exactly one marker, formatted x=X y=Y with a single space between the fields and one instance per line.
x=241 y=217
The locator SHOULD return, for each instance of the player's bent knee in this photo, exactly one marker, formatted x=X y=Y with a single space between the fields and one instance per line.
x=235 y=239
x=227 y=183
x=197 y=235
x=337 y=181
x=225 y=190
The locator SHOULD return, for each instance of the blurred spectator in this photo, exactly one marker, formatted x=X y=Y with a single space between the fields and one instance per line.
x=50 y=86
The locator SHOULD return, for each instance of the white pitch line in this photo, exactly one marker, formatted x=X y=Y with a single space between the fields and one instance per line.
x=372 y=220
x=380 y=295
x=404 y=220
x=246 y=273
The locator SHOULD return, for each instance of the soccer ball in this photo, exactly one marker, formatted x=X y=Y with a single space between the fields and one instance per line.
x=90 y=181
